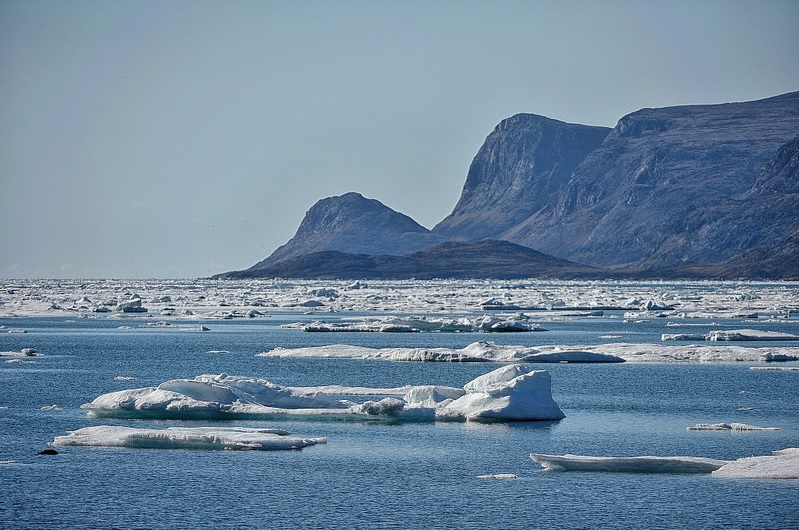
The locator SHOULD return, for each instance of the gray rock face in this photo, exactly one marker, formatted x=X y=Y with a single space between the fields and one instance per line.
x=690 y=191
x=522 y=165
x=661 y=187
x=353 y=224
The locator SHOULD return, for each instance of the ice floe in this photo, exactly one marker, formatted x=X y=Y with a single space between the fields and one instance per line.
x=418 y=324
x=782 y=464
x=509 y=393
x=206 y=438
x=604 y=353
x=749 y=335
x=738 y=427
x=628 y=464
x=24 y=352
x=480 y=351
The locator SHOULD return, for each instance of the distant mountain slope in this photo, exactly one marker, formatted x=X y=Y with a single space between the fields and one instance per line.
x=650 y=193
x=354 y=224
x=483 y=259
x=522 y=164
x=690 y=191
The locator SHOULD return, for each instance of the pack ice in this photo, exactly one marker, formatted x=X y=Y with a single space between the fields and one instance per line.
x=510 y=393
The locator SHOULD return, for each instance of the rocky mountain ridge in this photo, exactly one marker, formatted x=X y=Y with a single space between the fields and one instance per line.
x=692 y=191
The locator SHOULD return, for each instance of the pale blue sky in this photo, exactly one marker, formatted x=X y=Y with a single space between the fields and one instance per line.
x=181 y=139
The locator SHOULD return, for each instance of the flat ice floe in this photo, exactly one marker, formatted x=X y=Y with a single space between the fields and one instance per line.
x=510 y=393
x=604 y=353
x=419 y=324
x=481 y=351
x=628 y=464
x=207 y=438
x=782 y=464
x=738 y=427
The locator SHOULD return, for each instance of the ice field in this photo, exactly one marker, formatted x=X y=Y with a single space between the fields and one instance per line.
x=433 y=404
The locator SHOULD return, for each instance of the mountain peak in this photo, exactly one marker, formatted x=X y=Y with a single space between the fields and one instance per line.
x=354 y=224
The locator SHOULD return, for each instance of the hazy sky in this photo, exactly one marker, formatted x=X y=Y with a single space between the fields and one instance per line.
x=181 y=139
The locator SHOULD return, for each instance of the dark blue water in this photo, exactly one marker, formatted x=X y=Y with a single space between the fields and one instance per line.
x=385 y=476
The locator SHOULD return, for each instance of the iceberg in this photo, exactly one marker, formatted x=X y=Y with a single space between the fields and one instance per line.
x=206 y=438
x=509 y=393
x=628 y=464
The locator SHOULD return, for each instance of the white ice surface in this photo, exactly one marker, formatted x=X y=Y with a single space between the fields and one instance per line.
x=193 y=298
x=489 y=351
x=628 y=464
x=782 y=464
x=207 y=438
x=510 y=393
x=474 y=352
x=738 y=427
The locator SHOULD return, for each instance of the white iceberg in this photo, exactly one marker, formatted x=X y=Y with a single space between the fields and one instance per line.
x=510 y=393
x=207 y=438
x=628 y=464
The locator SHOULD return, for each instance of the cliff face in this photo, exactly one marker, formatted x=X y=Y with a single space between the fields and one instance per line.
x=662 y=185
x=354 y=224
x=520 y=168
x=691 y=191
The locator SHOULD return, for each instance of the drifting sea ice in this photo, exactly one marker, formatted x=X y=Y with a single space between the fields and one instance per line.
x=604 y=353
x=207 y=438
x=509 y=393
x=782 y=464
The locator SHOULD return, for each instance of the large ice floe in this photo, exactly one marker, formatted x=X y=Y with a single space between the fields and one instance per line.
x=418 y=324
x=782 y=464
x=595 y=353
x=510 y=393
x=481 y=351
x=206 y=438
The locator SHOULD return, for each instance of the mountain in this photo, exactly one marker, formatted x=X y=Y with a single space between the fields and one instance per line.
x=658 y=191
x=698 y=191
x=520 y=168
x=482 y=259
x=351 y=223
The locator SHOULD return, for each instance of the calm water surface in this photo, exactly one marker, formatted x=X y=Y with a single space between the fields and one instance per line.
x=385 y=476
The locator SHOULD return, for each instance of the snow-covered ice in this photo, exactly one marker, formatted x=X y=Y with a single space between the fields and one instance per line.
x=628 y=464
x=509 y=393
x=207 y=438
x=480 y=351
x=738 y=427
x=782 y=464
x=749 y=335
x=492 y=352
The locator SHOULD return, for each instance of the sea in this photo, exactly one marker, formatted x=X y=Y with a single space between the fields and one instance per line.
x=379 y=475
